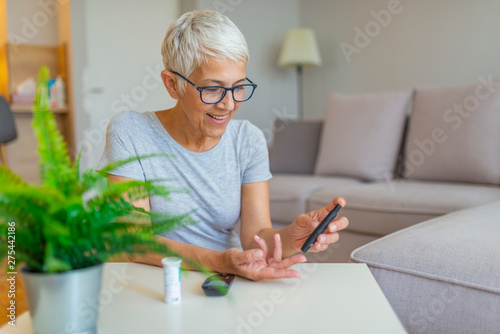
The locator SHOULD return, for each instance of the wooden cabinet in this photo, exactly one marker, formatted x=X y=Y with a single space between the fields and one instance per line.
x=19 y=62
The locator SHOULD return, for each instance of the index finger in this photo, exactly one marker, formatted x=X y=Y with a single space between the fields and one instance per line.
x=329 y=207
x=290 y=261
x=248 y=256
x=278 y=251
x=263 y=245
x=282 y=273
x=334 y=202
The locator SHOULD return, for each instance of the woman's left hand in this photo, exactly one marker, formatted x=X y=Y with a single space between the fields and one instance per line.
x=304 y=225
x=263 y=266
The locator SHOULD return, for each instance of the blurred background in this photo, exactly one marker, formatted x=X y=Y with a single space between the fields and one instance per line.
x=108 y=55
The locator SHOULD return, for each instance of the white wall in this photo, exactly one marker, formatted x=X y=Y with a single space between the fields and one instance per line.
x=32 y=22
x=119 y=65
x=427 y=43
x=78 y=54
x=264 y=25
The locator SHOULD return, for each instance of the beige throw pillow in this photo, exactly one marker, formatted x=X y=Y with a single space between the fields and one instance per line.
x=454 y=134
x=362 y=135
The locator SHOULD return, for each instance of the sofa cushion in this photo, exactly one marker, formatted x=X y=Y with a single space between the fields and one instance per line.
x=288 y=193
x=442 y=276
x=454 y=134
x=381 y=208
x=362 y=134
x=295 y=145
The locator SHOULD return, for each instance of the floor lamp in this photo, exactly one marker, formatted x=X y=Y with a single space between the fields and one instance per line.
x=300 y=49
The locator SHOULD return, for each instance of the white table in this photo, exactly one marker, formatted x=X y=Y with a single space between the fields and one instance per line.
x=328 y=298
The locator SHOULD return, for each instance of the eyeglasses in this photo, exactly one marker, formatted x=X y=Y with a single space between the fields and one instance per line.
x=215 y=94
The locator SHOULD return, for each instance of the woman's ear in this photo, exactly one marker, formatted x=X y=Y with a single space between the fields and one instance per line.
x=170 y=82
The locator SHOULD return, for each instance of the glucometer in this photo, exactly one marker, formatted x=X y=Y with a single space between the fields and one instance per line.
x=217 y=285
x=320 y=228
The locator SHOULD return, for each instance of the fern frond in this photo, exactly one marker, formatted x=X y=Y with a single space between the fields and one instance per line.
x=8 y=177
x=165 y=222
x=74 y=177
x=139 y=190
x=54 y=159
x=20 y=206
x=52 y=150
x=115 y=164
x=27 y=197
x=52 y=264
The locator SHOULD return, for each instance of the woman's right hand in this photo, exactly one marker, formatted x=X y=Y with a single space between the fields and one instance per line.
x=256 y=264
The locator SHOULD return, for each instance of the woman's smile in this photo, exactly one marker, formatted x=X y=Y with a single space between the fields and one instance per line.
x=219 y=119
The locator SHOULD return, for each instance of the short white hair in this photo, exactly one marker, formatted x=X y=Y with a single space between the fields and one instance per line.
x=197 y=36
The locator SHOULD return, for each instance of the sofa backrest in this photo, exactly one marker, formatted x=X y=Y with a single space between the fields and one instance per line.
x=454 y=134
x=295 y=145
x=362 y=134
x=454 y=131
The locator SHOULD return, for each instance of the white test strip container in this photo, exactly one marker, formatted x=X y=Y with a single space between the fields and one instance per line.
x=172 y=273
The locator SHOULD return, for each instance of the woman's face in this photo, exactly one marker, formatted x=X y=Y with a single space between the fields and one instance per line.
x=210 y=120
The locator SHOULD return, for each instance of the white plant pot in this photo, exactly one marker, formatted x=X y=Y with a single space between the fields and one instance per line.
x=66 y=302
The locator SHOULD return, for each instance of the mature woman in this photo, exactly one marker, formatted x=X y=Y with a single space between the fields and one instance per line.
x=223 y=162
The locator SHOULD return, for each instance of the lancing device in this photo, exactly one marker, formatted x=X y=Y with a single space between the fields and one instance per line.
x=320 y=229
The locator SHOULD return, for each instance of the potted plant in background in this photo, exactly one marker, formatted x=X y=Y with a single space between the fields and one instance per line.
x=65 y=229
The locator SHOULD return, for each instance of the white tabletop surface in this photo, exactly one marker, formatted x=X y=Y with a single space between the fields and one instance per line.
x=328 y=298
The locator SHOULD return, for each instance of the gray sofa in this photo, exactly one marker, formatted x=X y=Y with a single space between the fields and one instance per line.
x=420 y=172
x=442 y=275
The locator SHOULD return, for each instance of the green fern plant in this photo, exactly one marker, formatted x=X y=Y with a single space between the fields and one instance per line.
x=74 y=220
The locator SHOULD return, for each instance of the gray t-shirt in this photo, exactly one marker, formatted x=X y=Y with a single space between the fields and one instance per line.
x=213 y=178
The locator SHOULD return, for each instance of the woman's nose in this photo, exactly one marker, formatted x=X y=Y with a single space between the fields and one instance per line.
x=227 y=102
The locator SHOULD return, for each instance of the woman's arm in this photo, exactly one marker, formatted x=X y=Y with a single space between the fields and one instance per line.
x=250 y=263
x=256 y=219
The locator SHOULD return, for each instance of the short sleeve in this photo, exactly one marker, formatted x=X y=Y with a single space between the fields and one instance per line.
x=257 y=163
x=120 y=146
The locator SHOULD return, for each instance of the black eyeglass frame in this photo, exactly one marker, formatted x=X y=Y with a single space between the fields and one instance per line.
x=200 y=89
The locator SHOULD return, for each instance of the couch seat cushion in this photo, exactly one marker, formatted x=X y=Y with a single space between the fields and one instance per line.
x=381 y=208
x=443 y=275
x=288 y=193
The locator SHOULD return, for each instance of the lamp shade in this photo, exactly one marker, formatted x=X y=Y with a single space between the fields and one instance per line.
x=300 y=49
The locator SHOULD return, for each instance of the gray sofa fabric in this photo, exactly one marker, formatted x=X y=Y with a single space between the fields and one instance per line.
x=291 y=153
x=381 y=208
x=443 y=275
x=288 y=193
x=453 y=134
x=379 y=118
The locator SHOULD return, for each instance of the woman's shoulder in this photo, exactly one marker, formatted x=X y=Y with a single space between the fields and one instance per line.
x=129 y=119
x=128 y=116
